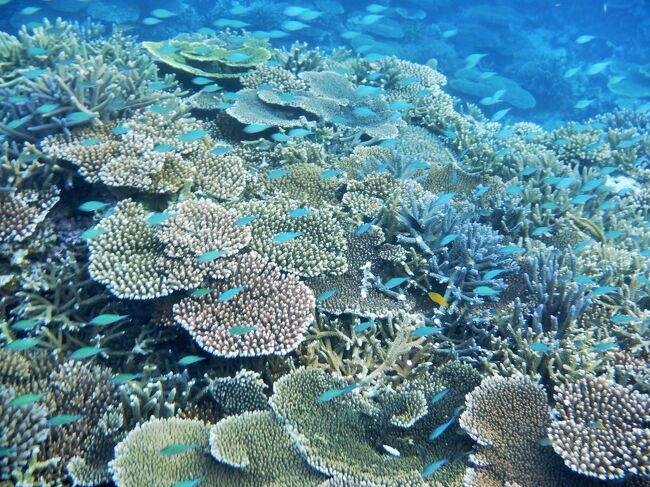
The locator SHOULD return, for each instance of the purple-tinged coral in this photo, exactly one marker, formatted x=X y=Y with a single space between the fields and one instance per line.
x=508 y=418
x=268 y=316
x=601 y=429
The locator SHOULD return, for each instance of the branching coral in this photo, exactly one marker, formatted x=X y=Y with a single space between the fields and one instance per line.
x=240 y=393
x=601 y=429
x=273 y=308
x=23 y=211
x=98 y=81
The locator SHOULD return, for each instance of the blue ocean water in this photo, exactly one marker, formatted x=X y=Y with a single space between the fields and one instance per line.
x=324 y=243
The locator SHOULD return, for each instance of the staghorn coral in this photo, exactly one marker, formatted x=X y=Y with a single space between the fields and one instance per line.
x=23 y=430
x=319 y=250
x=508 y=417
x=277 y=306
x=79 y=74
x=240 y=393
x=601 y=429
x=262 y=452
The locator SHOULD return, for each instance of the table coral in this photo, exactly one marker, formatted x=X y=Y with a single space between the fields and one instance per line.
x=601 y=429
x=277 y=307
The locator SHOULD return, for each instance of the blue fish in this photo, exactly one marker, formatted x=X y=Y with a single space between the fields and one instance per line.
x=283 y=237
x=604 y=346
x=255 y=128
x=591 y=185
x=330 y=173
x=193 y=135
x=91 y=206
x=540 y=347
x=162 y=148
x=327 y=294
x=364 y=112
x=121 y=130
x=423 y=331
x=203 y=291
x=449 y=238
x=223 y=149
x=583 y=245
x=230 y=293
x=300 y=212
x=511 y=249
x=581 y=199
x=584 y=280
x=527 y=171
x=394 y=282
x=363 y=228
x=280 y=137
x=93 y=232
x=431 y=469
x=444 y=199
x=599 y=291
x=210 y=255
x=515 y=189
x=277 y=173
x=489 y=275
x=299 y=132
x=190 y=359
x=439 y=395
x=244 y=220
x=189 y=482
x=485 y=291
x=541 y=231
x=158 y=218
x=481 y=190
x=439 y=430
x=364 y=326
x=333 y=393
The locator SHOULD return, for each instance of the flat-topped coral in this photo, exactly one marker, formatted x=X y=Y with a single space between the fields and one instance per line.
x=210 y=58
x=268 y=314
x=316 y=242
x=240 y=393
x=508 y=417
x=601 y=429
x=262 y=452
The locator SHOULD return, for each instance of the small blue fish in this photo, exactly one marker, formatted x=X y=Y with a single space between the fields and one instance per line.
x=327 y=294
x=124 y=378
x=527 y=171
x=176 y=449
x=230 y=293
x=93 y=232
x=162 y=148
x=621 y=319
x=541 y=231
x=607 y=170
x=300 y=212
x=595 y=146
x=299 y=132
x=394 y=282
x=85 y=352
x=90 y=206
x=604 y=347
x=363 y=228
x=277 y=173
x=591 y=185
x=511 y=249
x=449 y=238
x=564 y=183
x=279 y=137
x=188 y=483
x=400 y=105
x=283 y=237
x=364 y=112
x=502 y=152
x=26 y=399
x=210 y=256
x=583 y=245
x=439 y=395
x=203 y=291
x=614 y=234
x=581 y=199
x=540 y=347
x=121 y=130
x=584 y=280
x=444 y=199
x=90 y=141
x=485 y=291
x=330 y=173
x=340 y=119
x=256 y=128
x=106 y=319
x=24 y=325
x=211 y=88
x=481 y=190
x=599 y=291
x=193 y=135
x=158 y=218
x=47 y=107
x=423 y=331
x=333 y=393
x=245 y=220
x=439 y=430
x=431 y=469
x=363 y=326
x=515 y=189
x=190 y=359
x=34 y=73
x=241 y=330
x=201 y=81
x=500 y=114
x=22 y=344
x=63 y=419
x=608 y=204
x=222 y=149
x=489 y=275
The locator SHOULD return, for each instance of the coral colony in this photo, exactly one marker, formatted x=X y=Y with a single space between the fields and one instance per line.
x=228 y=261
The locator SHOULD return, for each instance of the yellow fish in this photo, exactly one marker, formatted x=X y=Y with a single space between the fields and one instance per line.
x=438 y=299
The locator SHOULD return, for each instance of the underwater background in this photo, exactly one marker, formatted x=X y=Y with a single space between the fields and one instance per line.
x=324 y=243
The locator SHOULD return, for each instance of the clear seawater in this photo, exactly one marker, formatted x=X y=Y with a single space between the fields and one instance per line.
x=324 y=243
